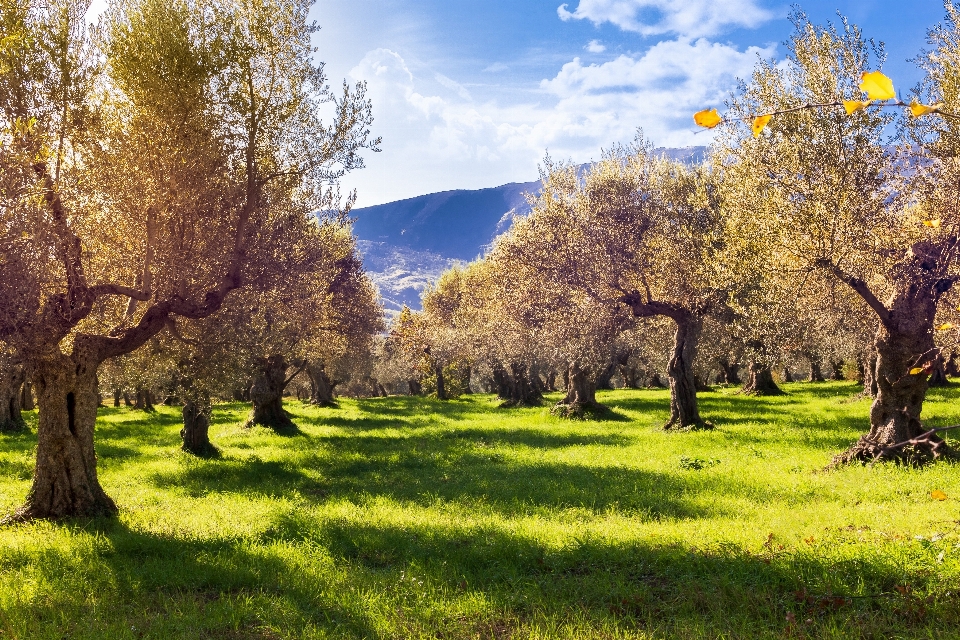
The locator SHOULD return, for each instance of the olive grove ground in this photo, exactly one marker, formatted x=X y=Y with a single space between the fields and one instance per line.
x=406 y=517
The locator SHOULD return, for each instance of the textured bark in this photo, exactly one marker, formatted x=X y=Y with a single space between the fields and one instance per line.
x=196 y=424
x=730 y=372
x=514 y=388
x=939 y=376
x=603 y=380
x=656 y=382
x=761 y=381
x=266 y=394
x=632 y=376
x=65 y=480
x=895 y=413
x=467 y=376
x=953 y=370
x=441 y=383
x=684 y=412
x=11 y=380
x=904 y=341
x=787 y=376
x=126 y=399
x=836 y=370
x=27 y=403
x=581 y=395
x=116 y=397
x=816 y=374
x=144 y=400
x=321 y=386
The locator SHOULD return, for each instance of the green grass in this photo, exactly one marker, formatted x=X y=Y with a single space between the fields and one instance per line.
x=406 y=517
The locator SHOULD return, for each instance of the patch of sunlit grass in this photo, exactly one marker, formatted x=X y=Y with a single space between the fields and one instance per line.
x=408 y=517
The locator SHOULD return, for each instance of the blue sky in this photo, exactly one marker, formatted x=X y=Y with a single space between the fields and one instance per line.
x=471 y=94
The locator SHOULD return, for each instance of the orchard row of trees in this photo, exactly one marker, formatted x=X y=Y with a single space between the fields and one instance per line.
x=814 y=238
x=169 y=218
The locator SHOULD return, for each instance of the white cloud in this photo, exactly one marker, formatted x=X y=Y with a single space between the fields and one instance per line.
x=594 y=46
x=452 y=85
x=438 y=142
x=496 y=67
x=687 y=18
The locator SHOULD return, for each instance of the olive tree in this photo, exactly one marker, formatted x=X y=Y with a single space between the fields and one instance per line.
x=819 y=190
x=142 y=169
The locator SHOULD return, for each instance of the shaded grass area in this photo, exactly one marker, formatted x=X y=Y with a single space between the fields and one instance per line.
x=410 y=518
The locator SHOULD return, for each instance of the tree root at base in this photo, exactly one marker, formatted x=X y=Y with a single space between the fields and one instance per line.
x=702 y=425
x=581 y=410
x=920 y=451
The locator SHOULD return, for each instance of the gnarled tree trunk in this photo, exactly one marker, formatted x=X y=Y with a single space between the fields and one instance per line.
x=787 y=376
x=836 y=370
x=939 y=376
x=902 y=344
x=761 y=382
x=816 y=374
x=953 y=370
x=10 y=398
x=65 y=477
x=581 y=395
x=266 y=394
x=441 y=383
x=632 y=376
x=684 y=412
x=514 y=388
x=729 y=372
x=196 y=422
x=144 y=400
x=27 y=403
x=321 y=386
x=603 y=380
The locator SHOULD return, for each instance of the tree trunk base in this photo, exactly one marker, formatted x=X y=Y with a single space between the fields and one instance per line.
x=580 y=410
x=866 y=450
x=700 y=425
x=761 y=382
x=279 y=422
x=196 y=430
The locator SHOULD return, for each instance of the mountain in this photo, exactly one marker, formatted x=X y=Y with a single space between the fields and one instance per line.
x=408 y=243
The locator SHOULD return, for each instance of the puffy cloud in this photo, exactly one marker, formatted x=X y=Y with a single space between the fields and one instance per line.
x=437 y=137
x=687 y=18
x=594 y=46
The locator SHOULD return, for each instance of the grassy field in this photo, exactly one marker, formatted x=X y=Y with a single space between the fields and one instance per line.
x=410 y=518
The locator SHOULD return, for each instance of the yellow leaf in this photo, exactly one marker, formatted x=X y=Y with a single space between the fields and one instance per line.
x=759 y=123
x=916 y=371
x=932 y=223
x=708 y=118
x=945 y=326
x=917 y=109
x=852 y=106
x=877 y=86
x=938 y=495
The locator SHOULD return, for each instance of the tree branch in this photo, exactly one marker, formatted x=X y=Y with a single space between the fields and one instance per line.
x=859 y=286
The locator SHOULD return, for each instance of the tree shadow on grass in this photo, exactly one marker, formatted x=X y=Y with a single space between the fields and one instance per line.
x=354 y=579
x=234 y=475
x=170 y=587
x=665 y=589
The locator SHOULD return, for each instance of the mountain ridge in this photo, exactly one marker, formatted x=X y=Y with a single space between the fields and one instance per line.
x=408 y=243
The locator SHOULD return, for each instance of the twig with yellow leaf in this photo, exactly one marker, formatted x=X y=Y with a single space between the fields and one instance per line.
x=877 y=86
